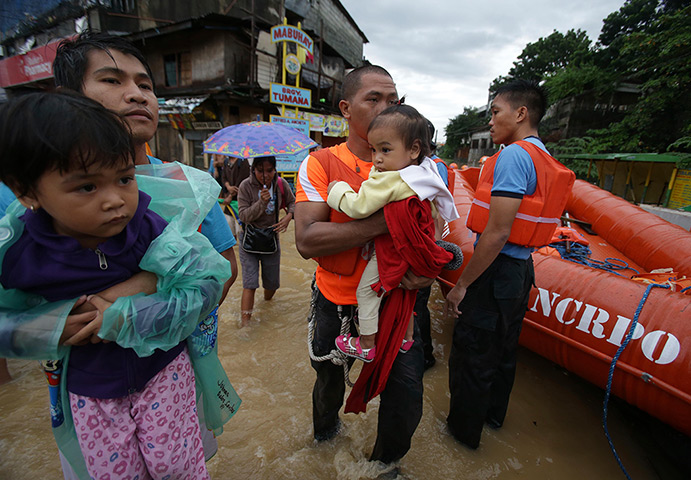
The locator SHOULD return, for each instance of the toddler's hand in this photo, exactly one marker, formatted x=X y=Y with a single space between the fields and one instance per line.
x=89 y=333
x=81 y=315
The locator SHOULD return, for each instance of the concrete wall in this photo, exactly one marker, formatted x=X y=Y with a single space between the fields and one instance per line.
x=683 y=219
x=267 y=63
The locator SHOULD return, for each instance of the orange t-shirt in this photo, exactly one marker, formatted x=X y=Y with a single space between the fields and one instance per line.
x=311 y=186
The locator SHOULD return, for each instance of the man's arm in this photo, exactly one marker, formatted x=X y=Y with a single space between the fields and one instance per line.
x=191 y=276
x=316 y=236
x=215 y=228
x=83 y=322
x=142 y=282
x=230 y=256
x=502 y=211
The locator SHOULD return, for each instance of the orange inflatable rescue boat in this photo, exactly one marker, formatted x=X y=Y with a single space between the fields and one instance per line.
x=578 y=316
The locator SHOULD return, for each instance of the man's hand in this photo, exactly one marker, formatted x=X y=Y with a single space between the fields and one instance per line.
x=453 y=300
x=89 y=333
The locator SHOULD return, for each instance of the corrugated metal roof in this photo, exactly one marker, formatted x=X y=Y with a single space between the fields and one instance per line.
x=180 y=104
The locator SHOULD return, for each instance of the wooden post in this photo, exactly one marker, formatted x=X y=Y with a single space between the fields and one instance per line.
x=647 y=182
x=670 y=187
x=628 y=180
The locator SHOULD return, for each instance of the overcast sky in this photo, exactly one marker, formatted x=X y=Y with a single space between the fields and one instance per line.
x=443 y=54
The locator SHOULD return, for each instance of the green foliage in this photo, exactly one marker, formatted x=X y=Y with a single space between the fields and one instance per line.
x=498 y=82
x=634 y=16
x=459 y=129
x=548 y=57
x=574 y=145
x=645 y=42
x=574 y=80
x=551 y=54
x=661 y=60
x=682 y=149
x=684 y=161
x=682 y=144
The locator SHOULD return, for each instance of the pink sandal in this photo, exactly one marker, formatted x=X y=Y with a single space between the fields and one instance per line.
x=351 y=346
x=406 y=345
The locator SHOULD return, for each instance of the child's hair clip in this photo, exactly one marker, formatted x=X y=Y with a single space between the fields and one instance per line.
x=400 y=101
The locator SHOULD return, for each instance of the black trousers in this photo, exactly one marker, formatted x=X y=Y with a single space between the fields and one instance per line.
x=400 y=408
x=423 y=321
x=482 y=363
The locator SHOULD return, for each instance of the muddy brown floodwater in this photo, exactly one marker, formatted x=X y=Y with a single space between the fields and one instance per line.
x=553 y=429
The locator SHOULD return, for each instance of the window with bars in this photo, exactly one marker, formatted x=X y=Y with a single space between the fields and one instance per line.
x=178 y=69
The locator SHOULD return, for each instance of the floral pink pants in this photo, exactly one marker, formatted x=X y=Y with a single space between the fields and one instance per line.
x=149 y=434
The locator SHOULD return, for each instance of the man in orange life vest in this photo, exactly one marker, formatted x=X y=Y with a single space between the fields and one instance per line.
x=520 y=197
x=337 y=242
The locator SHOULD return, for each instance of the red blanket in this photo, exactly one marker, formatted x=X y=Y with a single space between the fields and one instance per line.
x=409 y=245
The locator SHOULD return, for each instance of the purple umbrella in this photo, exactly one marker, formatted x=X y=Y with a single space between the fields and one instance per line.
x=257 y=139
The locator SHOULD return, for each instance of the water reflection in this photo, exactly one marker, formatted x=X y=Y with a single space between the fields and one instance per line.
x=552 y=431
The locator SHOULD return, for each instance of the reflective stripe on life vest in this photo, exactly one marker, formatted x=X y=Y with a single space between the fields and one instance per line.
x=522 y=216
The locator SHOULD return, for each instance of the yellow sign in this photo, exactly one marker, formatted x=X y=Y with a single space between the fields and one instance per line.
x=681 y=192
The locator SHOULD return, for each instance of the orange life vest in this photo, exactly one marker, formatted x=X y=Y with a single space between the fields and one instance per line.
x=342 y=263
x=539 y=214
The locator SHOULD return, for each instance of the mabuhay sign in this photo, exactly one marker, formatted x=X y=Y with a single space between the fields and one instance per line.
x=289 y=33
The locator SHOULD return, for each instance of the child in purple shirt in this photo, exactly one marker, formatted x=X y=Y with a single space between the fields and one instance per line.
x=86 y=228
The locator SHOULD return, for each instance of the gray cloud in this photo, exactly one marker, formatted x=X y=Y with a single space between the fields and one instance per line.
x=445 y=53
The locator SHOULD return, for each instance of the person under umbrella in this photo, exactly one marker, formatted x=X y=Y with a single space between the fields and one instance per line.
x=260 y=197
x=229 y=172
